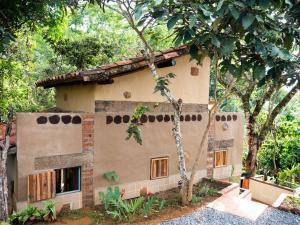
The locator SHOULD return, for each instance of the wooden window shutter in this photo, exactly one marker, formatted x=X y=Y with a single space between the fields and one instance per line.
x=41 y=186
x=159 y=168
x=220 y=158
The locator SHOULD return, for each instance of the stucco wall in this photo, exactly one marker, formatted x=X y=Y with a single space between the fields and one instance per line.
x=192 y=89
x=230 y=129
x=265 y=192
x=76 y=98
x=140 y=84
x=130 y=160
x=38 y=140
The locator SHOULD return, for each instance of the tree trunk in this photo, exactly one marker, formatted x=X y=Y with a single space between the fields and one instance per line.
x=252 y=151
x=3 y=181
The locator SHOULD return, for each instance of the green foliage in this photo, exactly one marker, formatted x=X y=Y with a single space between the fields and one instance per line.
x=205 y=190
x=281 y=150
x=124 y=210
x=152 y=205
x=134 y=127
x=29 y=213
x=49 y=211
x=109 y=196
x=33 y=214
x=290 y=177
x=196 y=199
x=111 y=176
x=162 y=83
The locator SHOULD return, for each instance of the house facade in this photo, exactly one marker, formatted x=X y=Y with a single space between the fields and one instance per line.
x=67 y=154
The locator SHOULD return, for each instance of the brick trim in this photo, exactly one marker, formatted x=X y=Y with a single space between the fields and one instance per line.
x=87 y=170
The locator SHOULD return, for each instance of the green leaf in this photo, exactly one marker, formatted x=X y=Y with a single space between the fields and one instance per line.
x=234 y=12
x=220 y=4
x=138 y=12
x=227 y=46
x=193 y=20
x=259 y=71
x=194 y=51
x=215 y=41
x=264 y=3
x=247 y=20
x=171 y=23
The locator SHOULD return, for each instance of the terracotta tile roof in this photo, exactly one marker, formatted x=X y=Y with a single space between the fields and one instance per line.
x=12 y=138
x=105 y=73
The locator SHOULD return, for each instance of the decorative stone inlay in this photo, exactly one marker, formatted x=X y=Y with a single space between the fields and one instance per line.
x=54 y=119
x=220 y=144
x=226 y=118
x=42 y=120
x=62 y=161
x=152 y=118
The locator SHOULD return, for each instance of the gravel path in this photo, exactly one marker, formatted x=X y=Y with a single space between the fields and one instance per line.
x=210 y=216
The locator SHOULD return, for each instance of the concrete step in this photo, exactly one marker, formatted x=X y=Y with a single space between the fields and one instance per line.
x=238 y=206
x=231 y=190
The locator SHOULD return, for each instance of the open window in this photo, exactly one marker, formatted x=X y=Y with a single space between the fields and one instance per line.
x=67 y=180
x=220 y=158
x=159 y=168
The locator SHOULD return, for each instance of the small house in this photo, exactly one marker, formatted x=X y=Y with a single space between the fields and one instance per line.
x=67 y=153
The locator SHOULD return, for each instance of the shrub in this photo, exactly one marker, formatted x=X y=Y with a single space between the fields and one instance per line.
x=33 y=214
x=205 y=190
x=120 y=209
x=290 y=177
x=153 y=205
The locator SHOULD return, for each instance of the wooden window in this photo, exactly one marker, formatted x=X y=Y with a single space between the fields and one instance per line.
x=159 y=168
x=220 y=158
x=67 y=180
x=41 y=186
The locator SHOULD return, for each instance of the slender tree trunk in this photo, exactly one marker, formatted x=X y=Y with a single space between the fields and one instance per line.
x=3 y=180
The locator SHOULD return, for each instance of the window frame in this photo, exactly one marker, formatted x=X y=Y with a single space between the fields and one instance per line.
x=152 y=160
x=226 y=158
x=79 y=181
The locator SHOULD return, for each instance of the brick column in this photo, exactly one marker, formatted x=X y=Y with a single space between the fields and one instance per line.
x=210 y=150
x=87 y=170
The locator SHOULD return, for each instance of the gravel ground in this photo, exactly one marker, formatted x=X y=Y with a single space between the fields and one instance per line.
x=210 y=216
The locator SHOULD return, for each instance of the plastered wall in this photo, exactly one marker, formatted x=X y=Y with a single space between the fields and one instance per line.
x=40 y=140
x=140 y=85
x=230 y=129
x=130 y=160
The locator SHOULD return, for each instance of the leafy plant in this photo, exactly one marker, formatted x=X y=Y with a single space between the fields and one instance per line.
x=111 y=195
x=111 y=176
x=49 y=211
x=121 y=210
x=196 y=199
x=29 y=213
x=290 y=177
x=33 y=214
x=153 y=204
x=134 y=127
x=206 y=190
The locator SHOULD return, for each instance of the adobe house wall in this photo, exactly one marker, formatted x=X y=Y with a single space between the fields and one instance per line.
x=228 y=134
x=97 y=144
x=131 y=161
x=80 y=98
x=37 y=142
x=139 y=87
